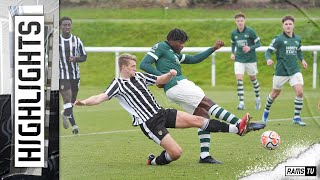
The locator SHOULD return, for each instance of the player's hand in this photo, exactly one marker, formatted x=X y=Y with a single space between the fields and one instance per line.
x=72 y=59
x=232 y=57
x=160 y=85
x=269 y=62
x=173 y=72
x=246 y=49
x=304 y=64
x=79 y=103
x=218 y=45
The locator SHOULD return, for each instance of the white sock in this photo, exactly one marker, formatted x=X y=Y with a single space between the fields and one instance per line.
x=233 y=128
x=153 y=162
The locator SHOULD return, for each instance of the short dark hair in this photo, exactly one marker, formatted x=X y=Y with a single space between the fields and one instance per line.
x=63 y=19
x=289 y=17
x=125 y=58
x=177 y=34
x=239 y=15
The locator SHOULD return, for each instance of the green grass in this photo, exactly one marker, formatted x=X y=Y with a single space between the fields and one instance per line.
x=146 y=32
x=161 y=13
x=116 y=155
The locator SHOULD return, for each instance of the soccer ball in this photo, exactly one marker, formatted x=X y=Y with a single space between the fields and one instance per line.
x=270 y=140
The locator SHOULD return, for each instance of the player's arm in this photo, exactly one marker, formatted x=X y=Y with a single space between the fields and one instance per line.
x=271 y=48
x=268 y=56
x=164 y=78
x=93 y=100
x=82 y=57
x=146 y=65
x=300 y=56
x=202 y=55
x=256 y=40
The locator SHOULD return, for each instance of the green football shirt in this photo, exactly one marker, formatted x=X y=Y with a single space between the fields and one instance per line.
x=247 y=37
x=288 y=50
x=166 y=59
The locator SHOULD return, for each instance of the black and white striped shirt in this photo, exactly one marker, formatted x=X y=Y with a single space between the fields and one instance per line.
x=134 y=96
x=70 y=47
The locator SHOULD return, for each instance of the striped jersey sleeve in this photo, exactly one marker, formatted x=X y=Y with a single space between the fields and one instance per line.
x=112 y=89
x=149 y=79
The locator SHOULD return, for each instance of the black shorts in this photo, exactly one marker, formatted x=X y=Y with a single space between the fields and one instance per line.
x=156 y=127
x=66 y=84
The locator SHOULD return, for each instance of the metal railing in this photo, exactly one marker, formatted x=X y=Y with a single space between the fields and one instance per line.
x=118 y=50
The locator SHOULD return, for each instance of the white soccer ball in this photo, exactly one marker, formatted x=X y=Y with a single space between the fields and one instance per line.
x=270 y=140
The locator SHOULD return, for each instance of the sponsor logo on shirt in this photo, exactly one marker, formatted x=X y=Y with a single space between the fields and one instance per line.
x=291 y=50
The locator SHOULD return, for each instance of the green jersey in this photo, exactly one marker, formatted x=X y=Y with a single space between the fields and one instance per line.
x=247 y=37
x=288 y=50
x=166 y=59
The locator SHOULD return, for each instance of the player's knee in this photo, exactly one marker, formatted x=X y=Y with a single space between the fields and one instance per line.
x=299 y=93
x=275 y=94
x=176 y=153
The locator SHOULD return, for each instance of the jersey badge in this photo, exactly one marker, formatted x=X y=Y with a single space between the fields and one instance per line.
x=155 y=46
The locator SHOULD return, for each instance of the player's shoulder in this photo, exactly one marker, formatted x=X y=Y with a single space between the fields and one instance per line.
x=235 y=31
x=279 y=36
x=75 y=36
x=297 y=37
x=250 y=29
x=160 y=45
x=139 y=74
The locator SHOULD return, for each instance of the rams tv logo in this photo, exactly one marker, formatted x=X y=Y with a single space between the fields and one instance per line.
x=301 y=170
x=29 y=91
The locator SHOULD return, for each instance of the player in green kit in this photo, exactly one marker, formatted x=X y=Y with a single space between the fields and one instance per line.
x=244 y=41
x=288 y=48
x=167 y=55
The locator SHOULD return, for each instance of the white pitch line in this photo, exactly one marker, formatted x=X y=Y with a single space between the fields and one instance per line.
x=312 y=117
x=134 y=130
x=106 y=132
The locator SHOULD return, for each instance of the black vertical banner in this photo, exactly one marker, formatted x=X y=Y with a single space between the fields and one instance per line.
x=52 y=170
x=5 y=133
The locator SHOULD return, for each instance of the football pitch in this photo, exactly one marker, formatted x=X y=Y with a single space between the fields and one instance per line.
x=108 y=147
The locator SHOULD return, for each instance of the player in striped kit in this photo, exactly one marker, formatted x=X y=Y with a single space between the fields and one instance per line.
x=167 y=55
x=131 y=91
x=244 y=41
x=72 y=53
x=287 y=46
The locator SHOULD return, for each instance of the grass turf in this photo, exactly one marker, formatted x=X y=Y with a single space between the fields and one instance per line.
x=109 y=148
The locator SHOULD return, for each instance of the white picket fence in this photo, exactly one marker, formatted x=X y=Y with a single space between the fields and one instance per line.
x=118 y=50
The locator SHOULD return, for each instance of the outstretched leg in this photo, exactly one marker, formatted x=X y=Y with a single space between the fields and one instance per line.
x=218 y=112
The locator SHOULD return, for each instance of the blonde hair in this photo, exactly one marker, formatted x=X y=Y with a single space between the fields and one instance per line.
x=125 y=58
